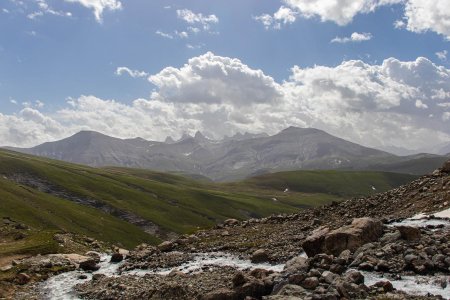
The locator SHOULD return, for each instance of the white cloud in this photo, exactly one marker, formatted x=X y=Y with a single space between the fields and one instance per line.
x=425 y=15
x=197 y=18
x=99 y=6
x=182 y=34
x=164 y=34
x=420 y=104
x=133 y=73
x=198 y=46
x=395 y=103
x=214 y=79
x=284 y=16
x=43 y=8
x=340 y=12
x=419 y=15
x=355 y=37
x=442 y=55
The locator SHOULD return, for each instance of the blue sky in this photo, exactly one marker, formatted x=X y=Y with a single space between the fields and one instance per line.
x=55 y=51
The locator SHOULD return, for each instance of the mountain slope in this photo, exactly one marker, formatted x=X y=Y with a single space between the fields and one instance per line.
x=229 y=159
x=131 y=206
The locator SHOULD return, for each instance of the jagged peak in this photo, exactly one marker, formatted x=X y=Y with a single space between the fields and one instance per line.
x=169 y=140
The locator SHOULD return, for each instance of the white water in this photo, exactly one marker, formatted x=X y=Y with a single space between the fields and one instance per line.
x=418 y=285
x=61 y=286
x=423 y=220
x=414 y=285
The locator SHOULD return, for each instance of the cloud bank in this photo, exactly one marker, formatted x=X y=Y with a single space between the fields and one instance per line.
x=396 y=103
x=419 y=15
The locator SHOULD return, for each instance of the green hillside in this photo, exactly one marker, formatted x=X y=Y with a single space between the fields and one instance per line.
x=51 y=196
x=338 y=183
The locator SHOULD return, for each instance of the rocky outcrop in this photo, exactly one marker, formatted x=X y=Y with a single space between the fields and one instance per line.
x=351 y=237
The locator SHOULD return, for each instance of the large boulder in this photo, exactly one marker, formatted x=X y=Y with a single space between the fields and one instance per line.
x=361 y=231
x=313 y=243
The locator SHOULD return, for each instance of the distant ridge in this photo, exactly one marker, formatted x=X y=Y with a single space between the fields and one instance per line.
x=233 y=157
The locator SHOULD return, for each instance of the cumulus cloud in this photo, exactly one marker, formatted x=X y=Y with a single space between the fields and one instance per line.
x=419 y=15
x=354 y=37
x=340 y=12
x=425 y=15
x=99 y=6
x=133 y=73
x=395 y=103
x=214 y=79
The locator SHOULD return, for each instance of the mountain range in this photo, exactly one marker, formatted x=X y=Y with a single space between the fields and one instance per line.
x=234 y=157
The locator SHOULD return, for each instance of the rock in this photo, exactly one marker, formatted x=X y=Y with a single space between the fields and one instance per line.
x=351 y=237
x=446 y=167
x=95 y=255
x=259 y=256
x=409 y=233
x=116 y=257
x=23 y=278
x=124 y=252
x=97 y=277
x=231 y=222
x=296 y=278
x=310 y=283
x=346 y=255
x=296 y=265
x=6 y=268
x=89 y=265
x=390 y=237
x=366 y=266
x=166 y=246
x=82 y=276
x=354 y=277
x=385 y=285
x=72 y=257
x=21 y=226
x=313 y=243
x=329 y=277
x=239 y=279
x=289 y=290
x=220 y=294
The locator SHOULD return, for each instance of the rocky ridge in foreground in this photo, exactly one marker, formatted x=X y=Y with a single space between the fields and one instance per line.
x=357 y=249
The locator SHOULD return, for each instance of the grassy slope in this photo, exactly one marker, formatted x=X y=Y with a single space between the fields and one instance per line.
x=338 y=183
x=172 y=202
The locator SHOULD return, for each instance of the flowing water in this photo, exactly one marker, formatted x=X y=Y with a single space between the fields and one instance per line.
x=61 y=286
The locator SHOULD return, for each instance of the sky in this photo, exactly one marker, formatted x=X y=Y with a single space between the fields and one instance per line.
x=375 y=72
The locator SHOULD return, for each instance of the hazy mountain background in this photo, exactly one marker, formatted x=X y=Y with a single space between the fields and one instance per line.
x=233 y=157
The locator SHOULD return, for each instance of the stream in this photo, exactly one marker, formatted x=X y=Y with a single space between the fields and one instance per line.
x=61 y=286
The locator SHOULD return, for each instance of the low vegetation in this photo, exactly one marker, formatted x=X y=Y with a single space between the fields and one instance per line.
x=50 y=196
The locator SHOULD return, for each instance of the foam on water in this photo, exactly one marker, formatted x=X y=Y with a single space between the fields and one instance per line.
x=424 y=220
x=414 y=285
x=61 y=286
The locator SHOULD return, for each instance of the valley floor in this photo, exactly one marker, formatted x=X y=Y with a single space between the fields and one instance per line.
x=356 y=249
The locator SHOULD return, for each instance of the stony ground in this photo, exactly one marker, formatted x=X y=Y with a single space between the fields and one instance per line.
x=392 y=251
x=338 y=248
